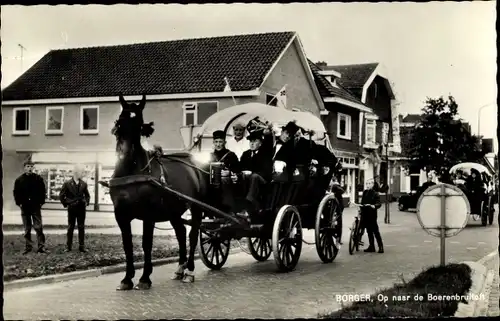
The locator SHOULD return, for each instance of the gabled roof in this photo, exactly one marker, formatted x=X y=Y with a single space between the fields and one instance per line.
x=354 y=76
x=412 y=118
x=326 y=89
x=168 y=67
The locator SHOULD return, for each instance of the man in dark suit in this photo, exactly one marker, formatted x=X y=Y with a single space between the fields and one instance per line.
x=296 y=151
x=371 y=202
x=257 y=165
x=231 y=167
x=75 y=196
x=29 y=195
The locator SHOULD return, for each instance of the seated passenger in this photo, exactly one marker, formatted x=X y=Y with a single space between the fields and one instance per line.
x=237 y=144
x=231 y=167
x=295 y=151
x=256 y=165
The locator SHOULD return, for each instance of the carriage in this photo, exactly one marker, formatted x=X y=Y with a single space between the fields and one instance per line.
x=482 y=204
x=288 y=206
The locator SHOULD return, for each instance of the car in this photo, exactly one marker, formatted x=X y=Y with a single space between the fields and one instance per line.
x=408 y=200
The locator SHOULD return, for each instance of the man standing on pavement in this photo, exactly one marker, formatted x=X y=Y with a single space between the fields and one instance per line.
x=75 y=196
x=427 y=184
x=371 y=203
x=29 y=195
x=237 y=144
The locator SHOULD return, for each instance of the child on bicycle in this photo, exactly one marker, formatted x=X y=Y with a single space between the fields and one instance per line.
x=370 y=204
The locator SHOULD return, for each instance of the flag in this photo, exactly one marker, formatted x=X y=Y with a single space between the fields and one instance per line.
x=281 y=98
x=227 y=88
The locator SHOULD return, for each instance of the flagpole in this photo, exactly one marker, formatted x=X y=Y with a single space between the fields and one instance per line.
x=230 y=90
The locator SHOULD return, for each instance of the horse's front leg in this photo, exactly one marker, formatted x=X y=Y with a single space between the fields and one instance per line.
x=128 y=247
x=196 y=216
x=148 y=227
x=180 y=234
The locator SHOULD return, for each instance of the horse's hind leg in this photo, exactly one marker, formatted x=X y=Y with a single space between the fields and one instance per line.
x=148 y=227
x=196 y=216
x=128 y=247
x=180 y=234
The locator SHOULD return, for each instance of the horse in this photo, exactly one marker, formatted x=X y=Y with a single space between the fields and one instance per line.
x=136 y=199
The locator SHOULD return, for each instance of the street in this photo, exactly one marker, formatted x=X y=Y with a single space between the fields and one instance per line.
x=245 y=288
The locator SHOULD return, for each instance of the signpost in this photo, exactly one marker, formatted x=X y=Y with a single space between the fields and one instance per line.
x=443 y=211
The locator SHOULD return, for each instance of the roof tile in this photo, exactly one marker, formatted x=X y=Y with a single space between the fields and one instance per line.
x=354 y=76
x=169 y=67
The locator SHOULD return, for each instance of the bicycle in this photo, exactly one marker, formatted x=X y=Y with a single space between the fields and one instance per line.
x=356 y=229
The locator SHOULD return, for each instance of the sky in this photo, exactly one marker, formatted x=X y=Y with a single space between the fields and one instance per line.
x=428 y=49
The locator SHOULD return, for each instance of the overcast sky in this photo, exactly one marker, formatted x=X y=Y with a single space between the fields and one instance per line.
x=428 y=49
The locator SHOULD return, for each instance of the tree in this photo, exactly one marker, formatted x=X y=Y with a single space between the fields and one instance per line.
x=441 y=139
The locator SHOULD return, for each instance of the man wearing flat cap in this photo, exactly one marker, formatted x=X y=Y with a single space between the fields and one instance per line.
x=257 y=165
x=231 y=165
x=237 y=144
x=29 y=195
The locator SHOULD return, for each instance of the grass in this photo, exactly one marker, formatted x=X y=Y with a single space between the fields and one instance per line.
x=448 y=280
x=103 y=250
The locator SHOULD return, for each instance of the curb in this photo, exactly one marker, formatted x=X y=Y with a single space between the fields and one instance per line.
x=479 y=276
x=56 y=278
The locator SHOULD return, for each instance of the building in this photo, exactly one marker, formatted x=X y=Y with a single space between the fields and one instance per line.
x=61 y=110
x=378 y=123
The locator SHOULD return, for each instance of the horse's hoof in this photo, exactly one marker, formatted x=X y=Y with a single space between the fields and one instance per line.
x=143 y=286
x=125 y=286
x=188 y=278
x=178 y=276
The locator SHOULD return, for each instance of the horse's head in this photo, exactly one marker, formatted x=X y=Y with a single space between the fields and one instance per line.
x=130 y=126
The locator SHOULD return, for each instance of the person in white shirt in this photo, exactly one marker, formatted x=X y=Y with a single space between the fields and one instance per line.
x=237 y=144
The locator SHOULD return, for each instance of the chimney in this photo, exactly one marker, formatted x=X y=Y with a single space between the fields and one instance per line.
x=321 y=64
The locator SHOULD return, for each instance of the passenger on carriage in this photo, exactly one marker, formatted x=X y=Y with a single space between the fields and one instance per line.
x=237 y=144
x=257 y=166
x=295 y=150
x=475 y=187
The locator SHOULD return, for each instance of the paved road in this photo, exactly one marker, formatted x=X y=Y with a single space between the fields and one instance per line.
x=247 y=289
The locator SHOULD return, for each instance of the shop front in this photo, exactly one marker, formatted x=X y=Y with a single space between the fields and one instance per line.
x=349 y=174
x=57 y=167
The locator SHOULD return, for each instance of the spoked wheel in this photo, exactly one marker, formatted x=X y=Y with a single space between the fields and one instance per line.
x=491 y=210
x=287 y=238
x=214 y=251
x=260 y=249
x=353 y=236
x=484 y=213
x=327 y=238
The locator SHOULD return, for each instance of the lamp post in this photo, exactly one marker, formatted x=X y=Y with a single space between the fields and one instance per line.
x=387 y=218
x=479 y=119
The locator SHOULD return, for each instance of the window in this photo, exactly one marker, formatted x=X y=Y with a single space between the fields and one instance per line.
x=370 y=131
x=197 y=113
x=54 y=118
x=21 y=121
x=270 y=100
x=344 y=126
x=89 y=119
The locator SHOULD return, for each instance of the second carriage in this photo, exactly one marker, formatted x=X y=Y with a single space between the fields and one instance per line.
x=288 y=206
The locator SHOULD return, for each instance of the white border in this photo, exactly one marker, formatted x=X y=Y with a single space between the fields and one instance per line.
x=89 y=131
x=47 y=111
x=14 y=113
x=348 y=126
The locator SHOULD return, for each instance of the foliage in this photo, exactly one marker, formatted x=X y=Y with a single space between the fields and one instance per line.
x=448 y=280
x=441 y=139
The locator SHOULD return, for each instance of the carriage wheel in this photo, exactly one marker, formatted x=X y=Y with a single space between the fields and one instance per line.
x=214 y=251
x=327 y=238
x=260 y=249
x=287 y=238
x=484 y=213
x=353 y=242
x=491 y=210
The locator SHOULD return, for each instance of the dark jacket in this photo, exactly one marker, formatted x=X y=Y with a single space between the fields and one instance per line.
x=295 y=153
x=370 y=197
x=74 y=196
x=425 y=186
x=229 y=159
x=324 y=156
x=29 y=191
x=262 y=162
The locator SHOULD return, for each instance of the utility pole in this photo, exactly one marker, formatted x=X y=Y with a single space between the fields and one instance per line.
x=22 y=55
x=387 y=218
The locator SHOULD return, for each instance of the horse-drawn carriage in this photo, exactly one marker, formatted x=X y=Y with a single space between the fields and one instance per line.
x=155 y=187
x=479 y=189
x=288 y=205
